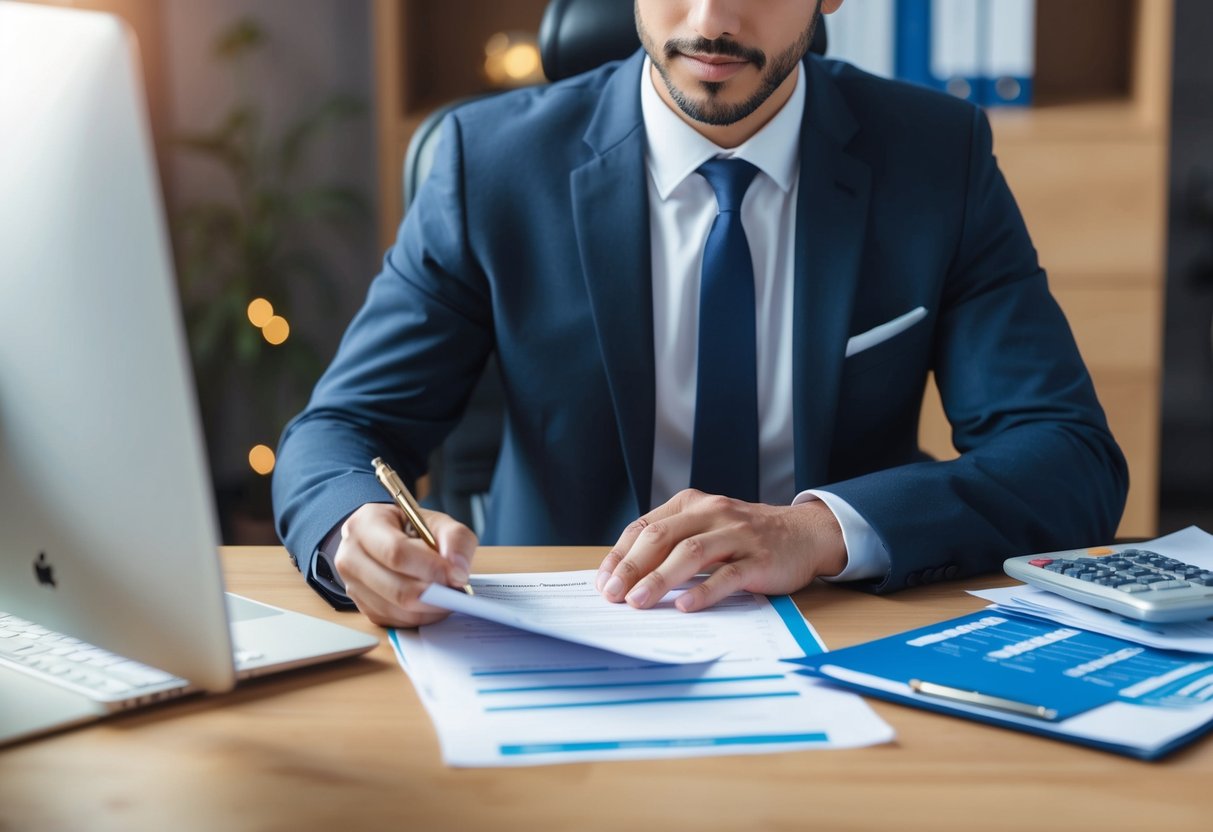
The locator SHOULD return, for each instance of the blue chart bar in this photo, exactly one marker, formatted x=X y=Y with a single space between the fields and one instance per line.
x=607 y=703
x=684 y=742
x=713 y=680
x=796 y=624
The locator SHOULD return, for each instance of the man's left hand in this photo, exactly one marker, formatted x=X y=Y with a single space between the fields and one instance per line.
x=746 y=546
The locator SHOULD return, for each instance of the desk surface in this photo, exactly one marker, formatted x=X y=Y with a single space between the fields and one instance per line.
x=349 y=746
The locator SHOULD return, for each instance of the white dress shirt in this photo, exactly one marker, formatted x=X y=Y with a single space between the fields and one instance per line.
x=682 y=207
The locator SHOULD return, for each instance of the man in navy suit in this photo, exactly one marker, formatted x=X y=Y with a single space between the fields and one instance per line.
x=591 y=232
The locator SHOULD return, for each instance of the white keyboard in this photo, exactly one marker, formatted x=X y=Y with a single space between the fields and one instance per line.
x=83 y=667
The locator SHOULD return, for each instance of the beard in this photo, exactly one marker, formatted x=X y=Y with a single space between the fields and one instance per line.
x=710 y=109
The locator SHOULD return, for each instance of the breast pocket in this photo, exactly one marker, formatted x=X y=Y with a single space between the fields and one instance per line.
x=907 y=336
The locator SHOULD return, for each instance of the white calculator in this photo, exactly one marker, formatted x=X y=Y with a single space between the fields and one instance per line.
x=1126 y=580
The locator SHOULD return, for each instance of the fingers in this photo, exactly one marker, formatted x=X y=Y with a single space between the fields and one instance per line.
x=389 y=601
x=385 y=570
x=668 y=546
x=633 y=531
x=694 y=553
x=729 y=578
x=456 y=543
x=754 y=547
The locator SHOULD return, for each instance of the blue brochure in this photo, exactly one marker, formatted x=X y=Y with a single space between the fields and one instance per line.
x=1036 y=676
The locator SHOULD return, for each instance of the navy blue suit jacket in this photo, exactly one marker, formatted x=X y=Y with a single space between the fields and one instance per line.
x=531 y=237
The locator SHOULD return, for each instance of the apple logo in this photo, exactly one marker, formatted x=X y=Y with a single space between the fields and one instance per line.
x=44 y=570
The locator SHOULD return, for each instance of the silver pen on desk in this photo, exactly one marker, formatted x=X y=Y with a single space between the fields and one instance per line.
x=395 y=486
x=973 y=697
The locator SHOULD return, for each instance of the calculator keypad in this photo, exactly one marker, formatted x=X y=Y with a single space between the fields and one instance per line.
x=1131 y=571
x=1135 y=583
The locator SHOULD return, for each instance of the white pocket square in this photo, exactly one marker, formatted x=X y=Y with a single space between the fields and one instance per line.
x=878 y=334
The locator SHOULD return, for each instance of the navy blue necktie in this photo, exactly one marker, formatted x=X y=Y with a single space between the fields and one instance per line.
x=724 y=453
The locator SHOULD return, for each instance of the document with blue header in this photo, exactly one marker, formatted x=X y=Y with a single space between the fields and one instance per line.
x=503 y=696
x=1037 y=676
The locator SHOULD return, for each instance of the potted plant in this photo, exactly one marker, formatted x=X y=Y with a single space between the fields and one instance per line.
x=244 y=262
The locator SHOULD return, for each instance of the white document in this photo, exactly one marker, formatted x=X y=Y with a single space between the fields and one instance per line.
x=500 y=696
x=566 y=605
x=1191 y=545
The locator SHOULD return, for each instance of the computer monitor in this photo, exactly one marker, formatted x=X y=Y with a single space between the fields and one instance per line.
x=107 y=524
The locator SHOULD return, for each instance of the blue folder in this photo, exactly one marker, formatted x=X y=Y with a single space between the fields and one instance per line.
x=1036 y=676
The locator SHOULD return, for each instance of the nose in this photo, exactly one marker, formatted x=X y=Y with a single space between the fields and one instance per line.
x=712 y=19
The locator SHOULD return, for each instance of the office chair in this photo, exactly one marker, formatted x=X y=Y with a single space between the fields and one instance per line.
x=575 y=36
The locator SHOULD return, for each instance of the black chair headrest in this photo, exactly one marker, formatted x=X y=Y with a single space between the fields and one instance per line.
x=579 y=35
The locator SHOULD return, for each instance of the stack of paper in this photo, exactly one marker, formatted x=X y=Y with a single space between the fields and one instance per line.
x=1191 y=545
x=655 y=683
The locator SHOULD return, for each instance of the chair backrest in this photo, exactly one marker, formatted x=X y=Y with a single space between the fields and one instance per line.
x=574 y=37
x=579 y=35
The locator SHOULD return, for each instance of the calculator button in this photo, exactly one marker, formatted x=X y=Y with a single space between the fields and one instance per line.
x=1169 y=585
x=1040 y=562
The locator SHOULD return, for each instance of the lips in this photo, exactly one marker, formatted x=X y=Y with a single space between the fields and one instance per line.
x=714 y=68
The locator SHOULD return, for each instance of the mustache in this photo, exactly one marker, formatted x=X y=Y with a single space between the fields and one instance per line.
x=720 y=46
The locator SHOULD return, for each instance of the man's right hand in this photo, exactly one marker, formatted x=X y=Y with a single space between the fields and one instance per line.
x=385 y=569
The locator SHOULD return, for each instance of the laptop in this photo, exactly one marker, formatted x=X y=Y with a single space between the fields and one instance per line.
x=111 y=591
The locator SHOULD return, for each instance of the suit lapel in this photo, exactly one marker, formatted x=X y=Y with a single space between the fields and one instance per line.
x=611 y=217
x=831 y=217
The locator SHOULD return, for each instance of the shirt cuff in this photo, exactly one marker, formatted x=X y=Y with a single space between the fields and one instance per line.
x=867 y=557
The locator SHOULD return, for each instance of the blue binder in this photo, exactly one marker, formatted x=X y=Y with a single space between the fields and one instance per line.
x=1036 y=676
x=1009 y=47
x=979 y=50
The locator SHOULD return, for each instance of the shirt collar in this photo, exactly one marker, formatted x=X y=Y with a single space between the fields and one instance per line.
x=676 y=150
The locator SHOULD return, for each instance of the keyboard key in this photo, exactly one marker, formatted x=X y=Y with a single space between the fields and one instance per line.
x=139 y=675
x=14 y=645
x=1169 y=585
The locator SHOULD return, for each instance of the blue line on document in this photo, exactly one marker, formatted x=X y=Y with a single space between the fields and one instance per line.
x=647 y=701
x=796 y=625
x=684 y=742
x=543 y=670
x=645 y=683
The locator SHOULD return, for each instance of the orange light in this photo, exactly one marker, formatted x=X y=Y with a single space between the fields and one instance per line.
x=511 y=59
x=276 y=330
x=260 y=312
x=520 y=61
x=261 y=459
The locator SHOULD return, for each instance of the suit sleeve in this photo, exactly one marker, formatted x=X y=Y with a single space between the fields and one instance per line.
x=1038 y=468
x=402 y=374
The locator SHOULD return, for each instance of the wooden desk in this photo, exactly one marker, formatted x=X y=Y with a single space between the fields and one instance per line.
x=349 y=747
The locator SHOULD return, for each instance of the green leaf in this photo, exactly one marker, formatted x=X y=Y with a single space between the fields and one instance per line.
x=332 y=202
x=298 y=138
x=243 y=36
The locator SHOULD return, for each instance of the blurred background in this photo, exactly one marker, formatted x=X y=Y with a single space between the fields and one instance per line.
x=282 y=126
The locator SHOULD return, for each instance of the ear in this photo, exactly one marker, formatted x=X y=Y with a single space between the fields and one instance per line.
x=830 y=6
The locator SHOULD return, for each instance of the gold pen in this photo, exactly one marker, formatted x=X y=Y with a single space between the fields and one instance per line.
x=974 y=697
x=395 y=486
